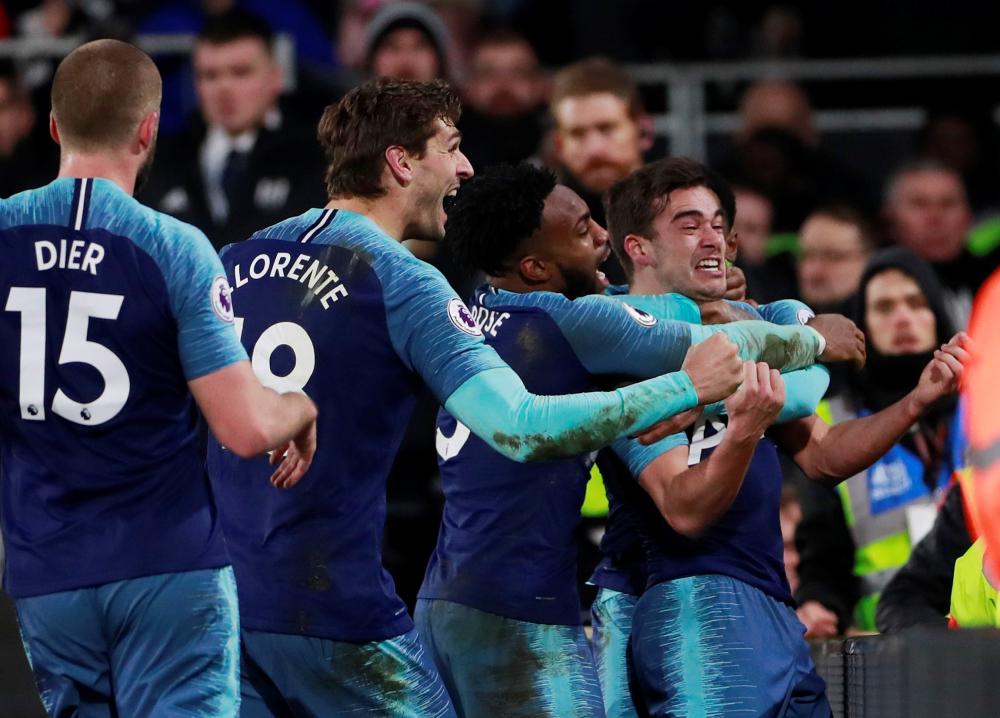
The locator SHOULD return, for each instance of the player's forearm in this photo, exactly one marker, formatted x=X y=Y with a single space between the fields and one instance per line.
x=283 y=417
x=526 y=427
x=804 y=390
x=695 y=499
x=850 y=447
x=782 y=347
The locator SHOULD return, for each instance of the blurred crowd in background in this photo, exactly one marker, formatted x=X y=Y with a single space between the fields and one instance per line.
x=550 y=81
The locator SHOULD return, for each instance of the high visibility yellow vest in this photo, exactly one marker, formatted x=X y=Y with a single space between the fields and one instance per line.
x=882 y=541
x=973 y=598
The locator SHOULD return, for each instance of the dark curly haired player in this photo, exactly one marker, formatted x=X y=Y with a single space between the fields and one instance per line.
x=498 y=608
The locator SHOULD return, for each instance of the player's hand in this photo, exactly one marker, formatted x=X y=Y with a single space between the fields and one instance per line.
x=944 y=372
x=720 y=311
x=674 y=425
x=820 y=622
x=844 y=341
x=294 y=458
x=714 y=368
x=736 y=285
x=757 y=402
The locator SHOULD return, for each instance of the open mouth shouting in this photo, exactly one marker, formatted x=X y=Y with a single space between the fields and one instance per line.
x=602 y=280
x=710 y=267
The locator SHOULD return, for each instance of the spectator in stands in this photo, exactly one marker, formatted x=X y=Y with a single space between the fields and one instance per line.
x=28 y=157
x=920 y=592
x=777 y=104
x=964 y=140
x=505 y=92
x=834 y=245
x=317 y=75
x=247 y=163
x=777 y=149
x=407 y=41
x=928 y=213
x=790 y=515
x=769 y=277
x=852 y=540
x=601 y=131
x=835 y=242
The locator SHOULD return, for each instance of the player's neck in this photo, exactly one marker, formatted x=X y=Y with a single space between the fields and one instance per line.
x=514 y=283
x=105 y=166
x=646 y=283
x=381 y=211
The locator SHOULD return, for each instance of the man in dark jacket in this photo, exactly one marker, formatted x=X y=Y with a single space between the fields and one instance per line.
x=246 y=164
x=853 y=540
x=920 y=592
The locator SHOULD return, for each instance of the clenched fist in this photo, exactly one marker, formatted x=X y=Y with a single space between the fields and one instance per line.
x=714 y=367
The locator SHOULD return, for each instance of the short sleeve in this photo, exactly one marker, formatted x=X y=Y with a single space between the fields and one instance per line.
x=637 y=456
x=201 y=301
x=786 y=311
x=432 y=330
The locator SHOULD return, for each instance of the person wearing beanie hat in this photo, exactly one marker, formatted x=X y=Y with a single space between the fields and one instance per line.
x=407 y=41
x=853 y=541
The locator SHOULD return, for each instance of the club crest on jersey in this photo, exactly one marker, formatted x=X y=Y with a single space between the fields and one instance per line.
x=462 y=318
x=645 y=319
x=804 y=315
x=222 y=299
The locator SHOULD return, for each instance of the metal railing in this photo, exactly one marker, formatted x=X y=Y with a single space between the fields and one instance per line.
x=688 y=122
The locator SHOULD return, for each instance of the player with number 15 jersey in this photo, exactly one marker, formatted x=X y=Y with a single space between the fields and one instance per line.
x=114 y=320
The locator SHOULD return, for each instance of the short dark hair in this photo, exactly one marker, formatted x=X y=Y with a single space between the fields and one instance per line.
x=101 y=92
x=846 y=214
x=913 y=166
x=634 y=203
x=593 y=76
x=236 y=24
x=503 y=35
x=495 y=212
x=356 y=131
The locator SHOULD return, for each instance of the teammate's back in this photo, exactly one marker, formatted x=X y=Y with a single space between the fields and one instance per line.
x=100 y=430
x=329 y=303
x=115 y=320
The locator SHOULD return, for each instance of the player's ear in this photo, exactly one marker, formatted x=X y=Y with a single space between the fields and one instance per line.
x=53 y=129
x=147 y=130
x=637 y=249
x=533 y=270
x=398 y=160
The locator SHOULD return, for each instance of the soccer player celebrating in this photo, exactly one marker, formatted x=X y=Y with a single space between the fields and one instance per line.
x=499 y=609
x=114 y=316
x=715 y=630
x=331 y=302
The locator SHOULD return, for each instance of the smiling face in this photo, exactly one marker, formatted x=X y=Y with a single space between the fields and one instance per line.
x=688 y=245
x=898 y=317
x=437 y=174
x=572 y=243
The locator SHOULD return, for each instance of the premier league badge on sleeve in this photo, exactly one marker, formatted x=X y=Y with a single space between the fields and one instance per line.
x=222 y=299
x=643 y=318
x=462 y=318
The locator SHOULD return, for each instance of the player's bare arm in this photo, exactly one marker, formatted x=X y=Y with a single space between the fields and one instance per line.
x=692 y=498
x=250 y=419
x=830 y=454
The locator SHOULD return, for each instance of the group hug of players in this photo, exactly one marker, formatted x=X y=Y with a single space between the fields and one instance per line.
x=151 y=582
